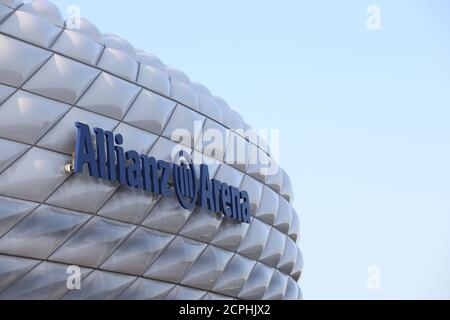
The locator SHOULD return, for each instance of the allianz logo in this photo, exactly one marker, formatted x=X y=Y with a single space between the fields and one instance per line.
x=106 y=159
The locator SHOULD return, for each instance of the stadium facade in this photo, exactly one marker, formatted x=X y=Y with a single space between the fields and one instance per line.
x=67 y=212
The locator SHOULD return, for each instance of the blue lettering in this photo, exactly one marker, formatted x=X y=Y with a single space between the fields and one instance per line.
x=245 y=207
x=225 y=200
x=206 y=199
x=109 y=161
x=134 y=170
x=235 y=203
x=164 y=188
x=150 y=174
x=120 y=157
x=101 y=157
x=84 y=151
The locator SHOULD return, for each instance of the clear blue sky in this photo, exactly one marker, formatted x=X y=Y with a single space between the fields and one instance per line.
x=364 y=118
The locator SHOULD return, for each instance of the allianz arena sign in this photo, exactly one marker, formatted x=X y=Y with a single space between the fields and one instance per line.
x=109 y=161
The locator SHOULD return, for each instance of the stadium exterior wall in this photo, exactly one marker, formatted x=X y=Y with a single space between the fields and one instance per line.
x=128 y=244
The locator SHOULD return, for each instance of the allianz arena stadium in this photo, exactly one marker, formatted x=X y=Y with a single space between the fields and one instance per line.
x=66 y=211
